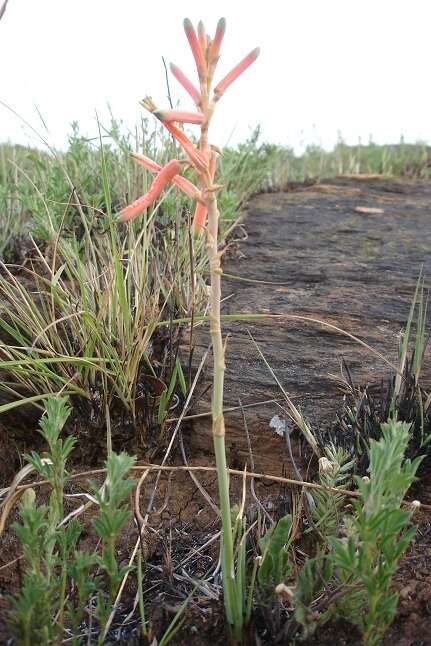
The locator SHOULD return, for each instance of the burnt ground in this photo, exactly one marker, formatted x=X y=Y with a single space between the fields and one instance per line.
x=307 y=252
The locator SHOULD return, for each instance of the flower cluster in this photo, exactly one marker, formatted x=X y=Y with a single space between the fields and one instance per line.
x=202 y=158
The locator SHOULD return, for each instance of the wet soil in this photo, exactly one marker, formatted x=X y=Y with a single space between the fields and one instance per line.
x=308 y=252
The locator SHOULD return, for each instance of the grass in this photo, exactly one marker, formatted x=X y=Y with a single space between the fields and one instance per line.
x=82 y=313
x=397 y=160
x=81 y=307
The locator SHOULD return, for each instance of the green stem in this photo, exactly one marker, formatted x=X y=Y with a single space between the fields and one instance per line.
x=228 y=565
x=234 y=617
x=144 y=631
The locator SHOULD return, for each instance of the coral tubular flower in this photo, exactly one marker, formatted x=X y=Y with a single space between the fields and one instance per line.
x=187 y=85
x=182 y=182
x=203 y=158
x=188 y=188
x=233 y=74
x=196 y=49
x=199 y=219
x=202 y=37
x=180 y=116
x=196 y=157
x=218 y=39
x=163 y=177
x=151 y=165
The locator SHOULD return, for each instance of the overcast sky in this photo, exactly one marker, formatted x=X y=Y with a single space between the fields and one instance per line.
x=355 y=67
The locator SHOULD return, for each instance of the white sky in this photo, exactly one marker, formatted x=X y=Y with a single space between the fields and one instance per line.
x=355 y=67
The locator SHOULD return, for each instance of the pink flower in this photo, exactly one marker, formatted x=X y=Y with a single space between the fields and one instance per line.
x=199 y=219
x=197 y=52
x=202 y=37
x=151 y=165
x=188 y=188
x=187 y=85
x=178 y=115
x=163 y=177
x=233 y=74
x=216 y=43
x=182 y=182
x=196 y=157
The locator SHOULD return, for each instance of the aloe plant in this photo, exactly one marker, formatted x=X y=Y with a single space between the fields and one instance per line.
x=203 y=161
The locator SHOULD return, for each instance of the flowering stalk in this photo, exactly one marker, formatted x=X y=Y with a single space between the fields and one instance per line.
x=203 y=159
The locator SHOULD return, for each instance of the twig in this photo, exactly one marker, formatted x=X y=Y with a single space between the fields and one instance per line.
x=203 y=491
x=233 y=472
x=228 y=410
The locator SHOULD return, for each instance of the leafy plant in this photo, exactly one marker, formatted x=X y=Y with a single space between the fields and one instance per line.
x=365 y=409
x=31 y=609
x=378 y=533
x=47 y=546
x=335 y=471
x=275 y=563
x=59 y=579
x=313 y=579
x=113 y=514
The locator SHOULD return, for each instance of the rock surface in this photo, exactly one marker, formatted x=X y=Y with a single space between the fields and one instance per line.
x=316 y=255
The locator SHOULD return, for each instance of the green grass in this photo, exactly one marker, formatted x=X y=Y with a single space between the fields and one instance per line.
x=398 y=160
x=81 y=297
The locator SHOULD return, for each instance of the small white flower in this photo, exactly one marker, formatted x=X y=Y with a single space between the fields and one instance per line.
x=326 y=467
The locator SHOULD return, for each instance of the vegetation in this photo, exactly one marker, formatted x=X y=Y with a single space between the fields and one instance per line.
x=92 y=315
